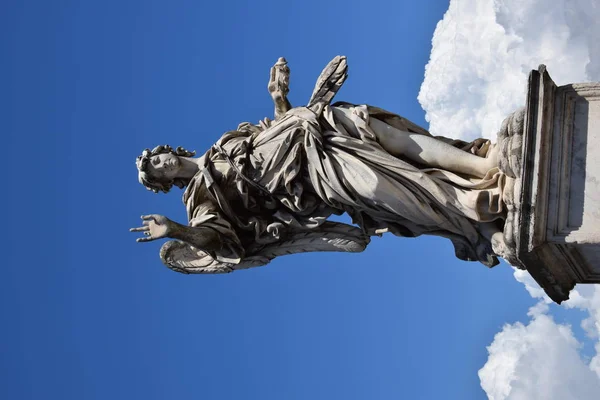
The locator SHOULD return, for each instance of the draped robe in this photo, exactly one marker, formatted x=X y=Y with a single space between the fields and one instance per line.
x=258 y=185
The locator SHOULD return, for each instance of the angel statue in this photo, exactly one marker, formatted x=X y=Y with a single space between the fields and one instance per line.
x=267 y=190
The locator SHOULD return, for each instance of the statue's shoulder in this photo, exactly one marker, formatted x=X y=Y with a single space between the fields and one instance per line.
x=232 y=139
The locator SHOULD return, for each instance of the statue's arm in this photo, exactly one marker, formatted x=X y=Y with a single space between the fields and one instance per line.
x=158 y=227
x=200 y=237
x=279 y=87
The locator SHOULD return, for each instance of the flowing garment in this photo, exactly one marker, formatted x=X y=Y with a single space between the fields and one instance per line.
x=260 y=185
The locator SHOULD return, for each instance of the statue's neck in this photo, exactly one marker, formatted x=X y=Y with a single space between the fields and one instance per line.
x=189 y=167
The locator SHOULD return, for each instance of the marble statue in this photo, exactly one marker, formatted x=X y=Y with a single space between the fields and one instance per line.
x=267 y=190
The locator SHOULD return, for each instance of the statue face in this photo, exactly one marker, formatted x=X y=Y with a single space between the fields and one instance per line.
x=164 y=166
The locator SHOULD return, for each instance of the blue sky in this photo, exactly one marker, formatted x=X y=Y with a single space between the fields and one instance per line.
x=88 y=313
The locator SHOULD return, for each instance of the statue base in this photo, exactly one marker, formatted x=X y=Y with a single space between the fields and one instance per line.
x=553 y=224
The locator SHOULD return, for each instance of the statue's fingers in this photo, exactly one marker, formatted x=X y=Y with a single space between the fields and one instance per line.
x=140 y=229
x=265 y=123
x=151 y=217
x=144 y=239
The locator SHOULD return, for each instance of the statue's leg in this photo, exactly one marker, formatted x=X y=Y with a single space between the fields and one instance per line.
x=431 y=152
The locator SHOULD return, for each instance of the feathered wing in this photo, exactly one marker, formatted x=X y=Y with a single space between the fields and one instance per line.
x=181 y=257
x=330 y=81
x=331 y=236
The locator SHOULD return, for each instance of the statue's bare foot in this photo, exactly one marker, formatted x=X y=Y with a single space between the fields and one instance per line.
x=498 y=244
x=493 y=233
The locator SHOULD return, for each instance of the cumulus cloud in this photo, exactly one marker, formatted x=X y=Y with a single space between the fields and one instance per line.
x=531 y=286
x=542 y=360
x=483 y=51
x=587 y=298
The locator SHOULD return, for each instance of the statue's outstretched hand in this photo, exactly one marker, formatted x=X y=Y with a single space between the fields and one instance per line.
x=279 y=87
x=279 y=82
x=154 y=227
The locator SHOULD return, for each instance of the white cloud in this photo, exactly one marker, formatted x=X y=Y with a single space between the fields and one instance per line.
x=540 y=360
x=531 y=286
x=483 y=51
x=587 y=298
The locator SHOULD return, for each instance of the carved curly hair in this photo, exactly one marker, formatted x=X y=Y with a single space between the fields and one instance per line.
x=152 y=183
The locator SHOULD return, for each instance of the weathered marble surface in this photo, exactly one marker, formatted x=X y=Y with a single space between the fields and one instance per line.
x=267 y=190
x=549 y=151
x=270 y=186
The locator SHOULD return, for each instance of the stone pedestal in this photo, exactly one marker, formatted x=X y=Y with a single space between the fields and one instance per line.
x=556 y=215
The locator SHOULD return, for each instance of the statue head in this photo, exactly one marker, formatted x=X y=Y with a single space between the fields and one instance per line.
x=158 y=169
